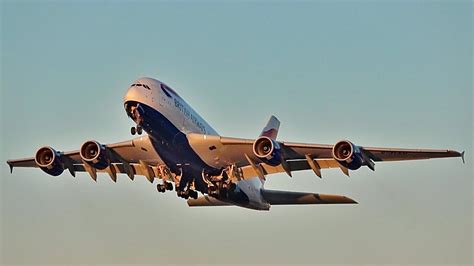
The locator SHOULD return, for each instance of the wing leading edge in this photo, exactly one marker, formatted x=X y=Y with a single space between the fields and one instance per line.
x=133 y=157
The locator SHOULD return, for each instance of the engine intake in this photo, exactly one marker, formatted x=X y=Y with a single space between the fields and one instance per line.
x=49 y=160
x=267 y=150
x=348 y=154
x=94 y=154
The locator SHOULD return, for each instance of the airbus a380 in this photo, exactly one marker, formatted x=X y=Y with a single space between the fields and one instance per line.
x=186 y=153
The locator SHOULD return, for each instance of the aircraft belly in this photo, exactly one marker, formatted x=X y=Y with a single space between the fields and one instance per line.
x=173 y=147
x=149 y=154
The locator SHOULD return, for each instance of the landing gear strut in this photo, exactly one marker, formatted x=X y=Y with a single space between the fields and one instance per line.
x=221 y=190
x=193 y=194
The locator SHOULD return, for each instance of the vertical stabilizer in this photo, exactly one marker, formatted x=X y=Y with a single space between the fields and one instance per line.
x=271 y=129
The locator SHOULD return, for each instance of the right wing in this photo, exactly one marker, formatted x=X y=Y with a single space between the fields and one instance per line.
x=132 y=157
x=221 y=151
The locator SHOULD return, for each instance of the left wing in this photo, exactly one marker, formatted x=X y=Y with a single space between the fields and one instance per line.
x=224 y=151
x=133 y=157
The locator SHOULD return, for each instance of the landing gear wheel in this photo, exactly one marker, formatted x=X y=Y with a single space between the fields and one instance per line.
x=139 y=130
x=223 y=192
x=186 y=194
x=133 y=130
x=193 y=194
x=169 y=186
x=213 y=191
x=161 y=188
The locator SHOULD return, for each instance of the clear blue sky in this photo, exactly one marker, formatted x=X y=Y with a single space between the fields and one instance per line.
x=396 y=74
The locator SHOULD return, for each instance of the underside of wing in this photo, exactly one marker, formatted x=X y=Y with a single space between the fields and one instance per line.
x=397 y=154
x=293 y=165
x=206 y=201
x=222 y=152
x=274 y=197
x=133 y=157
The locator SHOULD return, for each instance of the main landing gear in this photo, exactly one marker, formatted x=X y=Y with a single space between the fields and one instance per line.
x=219 y=187
x=188 y=193
x=221 y=190
x=136 y=130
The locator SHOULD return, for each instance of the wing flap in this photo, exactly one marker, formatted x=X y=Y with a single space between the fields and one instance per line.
x=275 y=197
x=135 y=169
x=294 y=165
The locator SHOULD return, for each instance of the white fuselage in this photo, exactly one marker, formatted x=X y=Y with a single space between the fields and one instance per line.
x=166 y=101
x=168 y=120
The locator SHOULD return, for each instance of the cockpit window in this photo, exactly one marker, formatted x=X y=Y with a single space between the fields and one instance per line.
x=165 y=89
x=140 y=85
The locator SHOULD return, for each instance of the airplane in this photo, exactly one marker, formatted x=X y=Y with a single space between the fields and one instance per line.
x=183 y=150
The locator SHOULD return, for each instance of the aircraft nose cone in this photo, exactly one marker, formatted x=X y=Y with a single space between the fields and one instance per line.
x=135 y=94
x=131 y=95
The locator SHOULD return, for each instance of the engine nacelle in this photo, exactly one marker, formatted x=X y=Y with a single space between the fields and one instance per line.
x=49 y=160
x=268 y=150
x=94 y=154
x=348 y=154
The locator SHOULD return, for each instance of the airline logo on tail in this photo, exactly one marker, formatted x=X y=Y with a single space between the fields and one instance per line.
x=271 y=129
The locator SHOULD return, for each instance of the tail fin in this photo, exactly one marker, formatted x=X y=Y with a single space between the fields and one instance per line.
x=271 y=129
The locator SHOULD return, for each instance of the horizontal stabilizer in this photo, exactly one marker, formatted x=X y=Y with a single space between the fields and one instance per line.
x=206 y=201
x=275 y=197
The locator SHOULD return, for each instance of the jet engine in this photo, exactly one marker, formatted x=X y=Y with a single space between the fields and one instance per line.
x=268 y=150
x=348 y=154
x=94 y=154
x=49 y=160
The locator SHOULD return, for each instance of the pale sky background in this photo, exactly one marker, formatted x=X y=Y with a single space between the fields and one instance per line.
x=394 y=74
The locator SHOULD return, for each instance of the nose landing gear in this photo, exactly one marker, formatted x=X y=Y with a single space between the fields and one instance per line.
x=136 y=130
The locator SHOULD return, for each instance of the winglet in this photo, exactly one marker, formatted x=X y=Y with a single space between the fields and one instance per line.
x=462 y=157
x=11 y=166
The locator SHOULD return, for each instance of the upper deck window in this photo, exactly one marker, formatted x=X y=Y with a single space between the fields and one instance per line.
x=165 y=89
